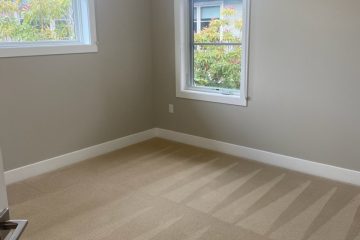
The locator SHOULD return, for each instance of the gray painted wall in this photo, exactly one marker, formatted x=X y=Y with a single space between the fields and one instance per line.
x=304 y=82
x=52 y=105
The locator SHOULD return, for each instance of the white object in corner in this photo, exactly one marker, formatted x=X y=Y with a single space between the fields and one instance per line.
x=55 y=163
x=291 y=163
x=3 y=195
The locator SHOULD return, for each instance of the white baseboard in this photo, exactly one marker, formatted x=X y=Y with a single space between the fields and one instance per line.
x=55 y=163
x=291 y=163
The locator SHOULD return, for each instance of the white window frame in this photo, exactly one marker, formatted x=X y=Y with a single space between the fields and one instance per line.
x=182 y=55
x=86 y=42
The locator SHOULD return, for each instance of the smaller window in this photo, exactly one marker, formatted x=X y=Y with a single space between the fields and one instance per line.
x=42 y=27
x=212 y=50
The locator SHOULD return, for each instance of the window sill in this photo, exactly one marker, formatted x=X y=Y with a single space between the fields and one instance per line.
x=212 y=97
x=46 y=50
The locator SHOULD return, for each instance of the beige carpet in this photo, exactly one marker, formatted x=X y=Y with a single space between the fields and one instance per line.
x=167 y=191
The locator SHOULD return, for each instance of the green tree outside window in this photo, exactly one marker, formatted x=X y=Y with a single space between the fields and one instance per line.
x=36 y=20
x=219 y=66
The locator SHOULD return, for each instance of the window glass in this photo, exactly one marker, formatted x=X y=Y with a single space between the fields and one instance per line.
x=216 y=51
x=217 y=66
x=208 y=13
x=195 y=14
x=37 y=20
x=195 y=27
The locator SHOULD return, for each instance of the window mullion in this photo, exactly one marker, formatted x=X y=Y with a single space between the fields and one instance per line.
x=198 y=17
x=78 y=20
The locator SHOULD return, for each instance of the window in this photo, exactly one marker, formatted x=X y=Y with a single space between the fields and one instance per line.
x=212 y=50
x=42 y=27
